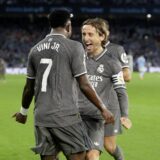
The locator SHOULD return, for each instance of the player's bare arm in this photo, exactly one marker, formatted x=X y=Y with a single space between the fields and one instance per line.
x=27 y=97
x=91 y=94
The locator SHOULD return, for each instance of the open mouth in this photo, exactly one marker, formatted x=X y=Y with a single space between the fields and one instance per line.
x=88 y=46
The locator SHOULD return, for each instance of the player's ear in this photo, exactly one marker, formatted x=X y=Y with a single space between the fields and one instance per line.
x=68 y=26
x=102 y=37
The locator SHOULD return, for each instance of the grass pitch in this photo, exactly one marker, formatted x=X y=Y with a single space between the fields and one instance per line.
x=142 y=141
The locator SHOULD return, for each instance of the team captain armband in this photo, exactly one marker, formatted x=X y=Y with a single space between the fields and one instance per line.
x=23 y=111
x=118 y=80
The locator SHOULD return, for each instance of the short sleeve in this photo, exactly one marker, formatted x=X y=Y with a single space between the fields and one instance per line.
x=78 y=61
x=30 y=67
x=123 y=57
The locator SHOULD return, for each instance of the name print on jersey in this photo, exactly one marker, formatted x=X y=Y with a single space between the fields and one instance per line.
x=47 y=45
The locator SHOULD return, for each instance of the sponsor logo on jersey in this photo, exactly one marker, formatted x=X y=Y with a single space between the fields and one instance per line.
x=124 y=58
x=95 y=79
x=100 y=68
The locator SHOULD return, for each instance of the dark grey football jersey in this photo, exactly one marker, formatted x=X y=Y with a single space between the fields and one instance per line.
x=118 y=52
x=54 y=63
x=104 y=73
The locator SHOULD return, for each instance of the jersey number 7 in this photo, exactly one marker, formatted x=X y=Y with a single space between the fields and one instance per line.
x=46 y=73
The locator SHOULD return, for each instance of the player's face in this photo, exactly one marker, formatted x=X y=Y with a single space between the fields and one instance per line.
x=91 y=39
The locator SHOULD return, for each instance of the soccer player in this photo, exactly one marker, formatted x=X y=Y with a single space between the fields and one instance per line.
x=118 y=52
x=141 y=63
x=105 y=74
x=53 y=65
x=2 y=69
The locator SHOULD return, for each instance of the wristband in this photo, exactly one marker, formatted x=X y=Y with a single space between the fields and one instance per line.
x=23 y=111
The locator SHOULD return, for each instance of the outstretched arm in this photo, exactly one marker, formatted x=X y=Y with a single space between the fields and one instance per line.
x=27 y=96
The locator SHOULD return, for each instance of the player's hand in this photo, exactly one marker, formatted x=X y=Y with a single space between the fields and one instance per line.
x=20 y=118
x=108 y=116
x=126 y=122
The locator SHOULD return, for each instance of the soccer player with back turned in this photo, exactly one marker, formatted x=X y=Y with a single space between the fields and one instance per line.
x=53 y=65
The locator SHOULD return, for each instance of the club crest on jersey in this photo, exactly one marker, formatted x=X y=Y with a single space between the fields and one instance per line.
x=100 y=68
x=124 y=58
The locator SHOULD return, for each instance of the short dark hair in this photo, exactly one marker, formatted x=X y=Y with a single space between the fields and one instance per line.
x=59 y=17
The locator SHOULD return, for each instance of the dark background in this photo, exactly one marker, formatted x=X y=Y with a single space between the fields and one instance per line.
x=134 y=24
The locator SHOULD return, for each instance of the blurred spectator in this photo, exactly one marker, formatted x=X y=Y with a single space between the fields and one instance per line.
x=141 y=64
x=17 y=38
x=2 y=69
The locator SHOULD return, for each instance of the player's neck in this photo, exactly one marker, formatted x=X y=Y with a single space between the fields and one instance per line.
x=97 y=52
x=58 y=31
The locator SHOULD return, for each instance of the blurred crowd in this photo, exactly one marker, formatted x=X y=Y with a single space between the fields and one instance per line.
x=17 y=39
x=83 y=2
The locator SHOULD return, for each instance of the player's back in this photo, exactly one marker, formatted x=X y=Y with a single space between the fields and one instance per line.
x=52 y=60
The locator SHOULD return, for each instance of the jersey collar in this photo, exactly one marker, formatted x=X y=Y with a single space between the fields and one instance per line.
x=107 y=43
x=100 y=55
x=55 y=34
x=96 y=58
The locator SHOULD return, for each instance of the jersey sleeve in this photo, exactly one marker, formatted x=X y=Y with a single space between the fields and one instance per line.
x=78 y=61
x=30 y=67
x=120 y=88
x=123 y=57
x=123 y=101
x=117 y=76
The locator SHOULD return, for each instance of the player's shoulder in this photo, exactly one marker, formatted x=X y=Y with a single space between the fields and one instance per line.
x=117 y=51
x=34 y=48
x=111 y=63
x=115 y=46
x=74 y=47
x=74 y=42
x=110 y=58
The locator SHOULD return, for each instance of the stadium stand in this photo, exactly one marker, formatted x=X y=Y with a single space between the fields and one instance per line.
x=21 y=31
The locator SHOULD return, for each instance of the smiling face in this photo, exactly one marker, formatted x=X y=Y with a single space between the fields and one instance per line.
x=92 y=39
